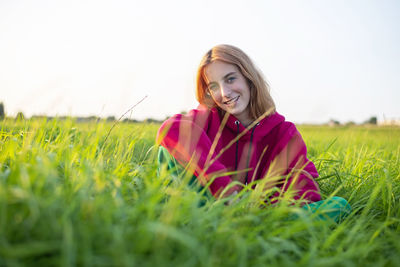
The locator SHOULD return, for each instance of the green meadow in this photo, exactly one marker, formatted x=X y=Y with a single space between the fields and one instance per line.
x=78 y=194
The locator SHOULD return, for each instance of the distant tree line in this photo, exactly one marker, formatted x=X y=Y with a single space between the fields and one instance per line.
x=20 y=116
x=371 y=121
x=2 y=113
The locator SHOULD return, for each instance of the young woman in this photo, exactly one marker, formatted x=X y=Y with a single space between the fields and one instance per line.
x=236 y=134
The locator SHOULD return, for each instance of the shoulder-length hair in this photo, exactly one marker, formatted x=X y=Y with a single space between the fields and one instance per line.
x=260 y=98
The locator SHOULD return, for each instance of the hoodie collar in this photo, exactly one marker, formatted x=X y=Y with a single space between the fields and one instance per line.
x=262 y=128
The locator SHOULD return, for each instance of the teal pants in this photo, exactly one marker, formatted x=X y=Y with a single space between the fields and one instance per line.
x=334 y=208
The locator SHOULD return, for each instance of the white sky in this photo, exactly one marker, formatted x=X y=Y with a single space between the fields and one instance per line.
x=335 y=59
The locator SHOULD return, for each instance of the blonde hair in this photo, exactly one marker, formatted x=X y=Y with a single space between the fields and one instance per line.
x=260 y=98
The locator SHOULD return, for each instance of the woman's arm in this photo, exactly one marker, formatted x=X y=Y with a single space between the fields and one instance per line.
x=185 y=138
x=291 y=170
x=301 y=170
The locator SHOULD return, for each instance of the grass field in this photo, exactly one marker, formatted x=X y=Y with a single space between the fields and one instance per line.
x=69 y=198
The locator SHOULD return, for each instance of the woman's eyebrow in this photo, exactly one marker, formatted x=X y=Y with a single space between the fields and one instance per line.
x=229 y=74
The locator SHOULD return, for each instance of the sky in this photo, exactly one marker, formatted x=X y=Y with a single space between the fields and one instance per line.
x=333 y=59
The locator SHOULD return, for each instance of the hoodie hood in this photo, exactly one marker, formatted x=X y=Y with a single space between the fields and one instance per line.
x=262 y=128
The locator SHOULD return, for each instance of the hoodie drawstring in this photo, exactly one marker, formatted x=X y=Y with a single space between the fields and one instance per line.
x=248 y=154
x=237 y=146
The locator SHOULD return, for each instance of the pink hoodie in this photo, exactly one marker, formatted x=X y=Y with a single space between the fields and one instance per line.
x=272 y=148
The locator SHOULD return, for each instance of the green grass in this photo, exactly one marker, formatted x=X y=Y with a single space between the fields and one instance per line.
x=67 y=198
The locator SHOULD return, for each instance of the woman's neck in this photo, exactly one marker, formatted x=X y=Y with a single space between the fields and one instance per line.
x=244 y=119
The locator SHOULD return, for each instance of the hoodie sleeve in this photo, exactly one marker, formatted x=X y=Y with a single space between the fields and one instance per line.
x=301 y=170
x=185 y=138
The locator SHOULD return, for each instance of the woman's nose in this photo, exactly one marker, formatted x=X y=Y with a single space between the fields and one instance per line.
x=225 y=90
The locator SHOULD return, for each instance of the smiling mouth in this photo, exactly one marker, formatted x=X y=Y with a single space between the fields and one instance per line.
x=232 y=100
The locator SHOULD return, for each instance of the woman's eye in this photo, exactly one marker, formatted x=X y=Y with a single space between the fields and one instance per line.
x=213 y=88
x=231 y=79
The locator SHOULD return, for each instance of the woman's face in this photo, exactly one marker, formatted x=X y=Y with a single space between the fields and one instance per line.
x=229 y=89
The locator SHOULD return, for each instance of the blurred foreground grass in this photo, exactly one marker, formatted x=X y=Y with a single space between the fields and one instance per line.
x=67 y=198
